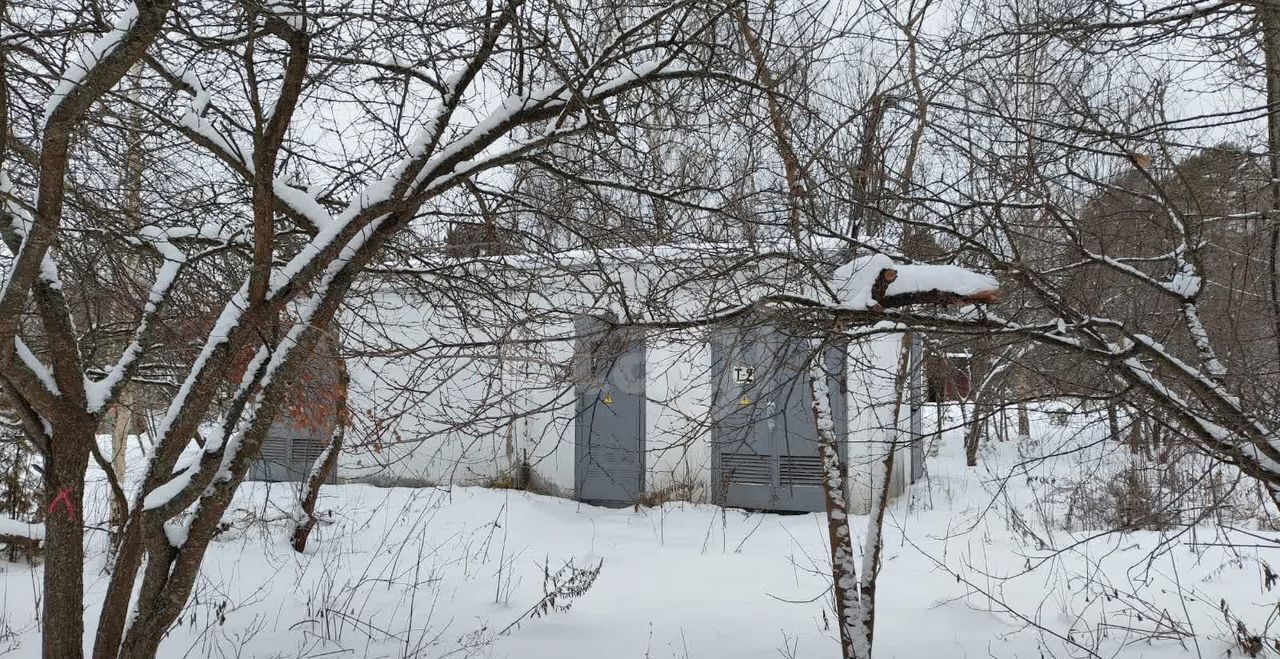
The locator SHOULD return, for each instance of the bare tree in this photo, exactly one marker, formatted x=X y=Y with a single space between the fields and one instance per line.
x=231 y=91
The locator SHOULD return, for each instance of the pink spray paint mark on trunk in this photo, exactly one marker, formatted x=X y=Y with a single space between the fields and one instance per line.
x=64 y=498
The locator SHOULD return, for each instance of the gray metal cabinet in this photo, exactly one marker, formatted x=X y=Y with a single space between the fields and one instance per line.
x=764 y=441
x=302 y=429
x=609 y=413
x=288 y=454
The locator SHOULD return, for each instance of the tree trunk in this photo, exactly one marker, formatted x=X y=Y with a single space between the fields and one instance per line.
x=915 y=385
x=66 y=460
x=1024 y=419
x=939 y=411
x=1268 y=15
x=324 y=465
x=873 y=545
x=973 y=434
x=1136 y=443
x=160 y=600
x=171 y=568
x=843 y=573
x=132 y=184
x=122 y=422
x=797 y=191
x=115 y=603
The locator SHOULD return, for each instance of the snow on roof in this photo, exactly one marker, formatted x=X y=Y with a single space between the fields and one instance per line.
x=578 y=258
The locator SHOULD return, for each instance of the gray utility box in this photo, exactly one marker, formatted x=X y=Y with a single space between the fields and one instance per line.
x=288 y=454
x=609 y=414
x=304 y=424
x=764 y=441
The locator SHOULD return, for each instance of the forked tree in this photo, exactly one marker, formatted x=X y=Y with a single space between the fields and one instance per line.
x=290 y=145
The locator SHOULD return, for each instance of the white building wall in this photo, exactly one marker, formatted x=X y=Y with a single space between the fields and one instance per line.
x=430 y=415
x=544 y=430
x=419 y=420
x=878 y=419
x=678 y=457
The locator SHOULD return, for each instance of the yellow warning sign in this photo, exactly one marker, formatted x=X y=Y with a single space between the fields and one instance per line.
x=745 y=400
x=608 y=399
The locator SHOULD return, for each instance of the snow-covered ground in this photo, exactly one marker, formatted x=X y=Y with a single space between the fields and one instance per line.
x=974 y=557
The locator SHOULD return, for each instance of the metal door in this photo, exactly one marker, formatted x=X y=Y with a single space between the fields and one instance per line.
x=744 y=464
x=610 y=414
x=765 y=451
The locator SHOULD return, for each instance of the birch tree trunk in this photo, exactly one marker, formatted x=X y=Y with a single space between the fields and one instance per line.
x=843 y=571
x=132 y=184
x=855 y=597
x=873 y=543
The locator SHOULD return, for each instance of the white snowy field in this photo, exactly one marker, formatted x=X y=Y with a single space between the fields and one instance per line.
x=974 y=557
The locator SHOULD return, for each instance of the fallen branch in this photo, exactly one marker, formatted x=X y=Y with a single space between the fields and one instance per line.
x=884 y=300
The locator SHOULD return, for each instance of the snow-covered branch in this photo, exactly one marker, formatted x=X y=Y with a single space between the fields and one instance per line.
x=98 y=393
